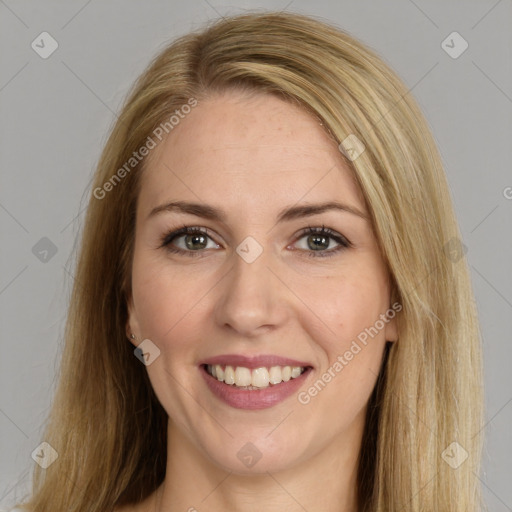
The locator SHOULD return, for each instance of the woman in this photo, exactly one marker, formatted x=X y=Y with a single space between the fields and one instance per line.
x=271 y=309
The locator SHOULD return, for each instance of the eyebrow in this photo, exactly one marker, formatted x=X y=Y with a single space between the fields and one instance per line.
x=288 y=214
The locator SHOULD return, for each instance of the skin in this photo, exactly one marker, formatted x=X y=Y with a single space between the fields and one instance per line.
x=253 y=156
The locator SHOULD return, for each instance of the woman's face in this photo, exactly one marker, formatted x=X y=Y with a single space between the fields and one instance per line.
x=252 y=289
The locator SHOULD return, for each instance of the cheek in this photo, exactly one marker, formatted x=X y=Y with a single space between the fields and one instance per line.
x=342 y=306
x=167 y=301
x=343 y=321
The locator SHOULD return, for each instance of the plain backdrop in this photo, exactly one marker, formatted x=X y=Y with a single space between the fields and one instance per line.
x=56 y=113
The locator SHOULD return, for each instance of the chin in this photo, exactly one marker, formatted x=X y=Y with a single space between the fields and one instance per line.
x=258 y=454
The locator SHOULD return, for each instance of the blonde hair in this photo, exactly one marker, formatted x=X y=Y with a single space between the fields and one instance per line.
x=105 y=415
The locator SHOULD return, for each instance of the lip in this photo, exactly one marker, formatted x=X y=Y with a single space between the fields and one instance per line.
x=255 y=399
x=252 y=362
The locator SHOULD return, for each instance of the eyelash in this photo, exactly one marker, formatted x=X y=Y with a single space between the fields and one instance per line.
x=188 y=230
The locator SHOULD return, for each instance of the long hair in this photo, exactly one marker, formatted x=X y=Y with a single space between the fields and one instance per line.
x=421 y=446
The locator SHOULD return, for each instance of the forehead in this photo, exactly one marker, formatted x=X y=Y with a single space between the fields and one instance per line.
x=249 y=152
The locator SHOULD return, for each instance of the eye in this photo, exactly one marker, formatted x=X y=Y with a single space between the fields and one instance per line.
x=318 y=241
x=194 y=240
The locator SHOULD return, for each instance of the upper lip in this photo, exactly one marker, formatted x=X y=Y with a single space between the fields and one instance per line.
x=252 y=362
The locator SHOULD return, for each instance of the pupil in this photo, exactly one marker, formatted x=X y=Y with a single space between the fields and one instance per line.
x=194 y=238
x=320 y=238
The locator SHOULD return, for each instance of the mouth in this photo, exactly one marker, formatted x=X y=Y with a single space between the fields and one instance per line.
x=254 y=383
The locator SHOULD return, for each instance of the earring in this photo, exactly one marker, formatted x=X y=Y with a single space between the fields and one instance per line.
x=132 y=336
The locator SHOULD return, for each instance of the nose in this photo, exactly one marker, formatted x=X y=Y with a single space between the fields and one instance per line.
x=251 y=299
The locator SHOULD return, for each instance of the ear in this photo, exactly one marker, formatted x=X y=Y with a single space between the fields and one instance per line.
x=132 y=324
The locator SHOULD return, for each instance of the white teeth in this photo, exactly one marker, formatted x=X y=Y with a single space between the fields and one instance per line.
x=260 y=378
x=229 y=375
x=256 y=378
x=242 y=376
x=286 y=373
x=275 y=375
x=296 y=371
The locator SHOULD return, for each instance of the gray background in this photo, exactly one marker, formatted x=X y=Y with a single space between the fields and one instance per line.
x=56 y=112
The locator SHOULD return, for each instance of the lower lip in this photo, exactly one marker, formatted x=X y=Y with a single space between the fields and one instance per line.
x=256 y=398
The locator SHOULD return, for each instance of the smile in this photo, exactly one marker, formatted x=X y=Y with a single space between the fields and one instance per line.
x=274 y=384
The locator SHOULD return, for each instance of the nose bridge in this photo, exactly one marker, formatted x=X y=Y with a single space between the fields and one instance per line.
x=251 y=293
